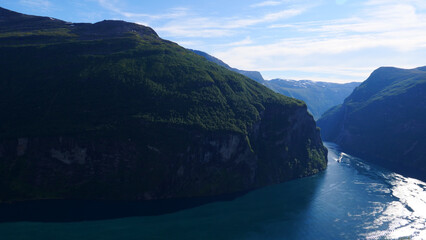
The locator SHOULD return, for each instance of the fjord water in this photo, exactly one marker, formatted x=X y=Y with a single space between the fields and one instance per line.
x=352 y=199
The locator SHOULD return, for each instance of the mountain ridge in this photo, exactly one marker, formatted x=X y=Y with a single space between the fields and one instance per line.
x=254 y=75
x=118 y=114
x=319 y=96
x=17 y=22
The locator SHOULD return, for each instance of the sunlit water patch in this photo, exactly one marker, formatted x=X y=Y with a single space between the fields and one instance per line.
x=402 y=213
x=352 y=199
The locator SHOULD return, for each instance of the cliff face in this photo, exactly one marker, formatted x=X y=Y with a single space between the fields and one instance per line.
x=197 y=163
x=111 y=111
x=384 y=120
x=82 y=167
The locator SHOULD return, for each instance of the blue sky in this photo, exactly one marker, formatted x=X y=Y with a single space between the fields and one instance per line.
x=322 y=40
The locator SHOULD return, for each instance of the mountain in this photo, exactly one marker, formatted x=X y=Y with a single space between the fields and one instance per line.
x=319 y=96
x=384 y=120
x=112 y=111
x=254 y=75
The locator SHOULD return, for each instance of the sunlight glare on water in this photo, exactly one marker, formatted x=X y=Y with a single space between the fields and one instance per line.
x=405 y=217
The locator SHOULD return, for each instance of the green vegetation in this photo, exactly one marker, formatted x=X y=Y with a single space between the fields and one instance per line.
x=111 y=111
x=384 y=119
x=319 y=96
x=96 y=85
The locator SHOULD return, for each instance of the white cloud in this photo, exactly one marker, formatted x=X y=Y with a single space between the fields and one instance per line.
x=326 y=47
x=288 y=13
x=39 y=4
x=266 y=4
x=200 y=27
x=206 y=27
x=270 y=17
x=417 y=3
x=113 y=5
x=383 y=18
x=172 y=14
x=179 y=22
x=245 y=41
x=328 y=55
x=252 y=56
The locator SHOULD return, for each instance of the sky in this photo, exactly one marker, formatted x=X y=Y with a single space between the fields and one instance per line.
x=321 y=40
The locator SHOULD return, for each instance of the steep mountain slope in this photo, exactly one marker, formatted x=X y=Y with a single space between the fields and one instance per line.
x=319 y=96
x=384 y=119
x=254 y=75
x=112 y=111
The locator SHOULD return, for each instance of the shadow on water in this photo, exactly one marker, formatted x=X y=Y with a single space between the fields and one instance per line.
x=265 y=213
x=91 y=210
x=271 y=212
x=268 y=201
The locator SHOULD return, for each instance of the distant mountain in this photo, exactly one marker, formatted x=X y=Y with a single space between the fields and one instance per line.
x=254 y=75
x=111 y=111
x=319 y=96
x=384 y=120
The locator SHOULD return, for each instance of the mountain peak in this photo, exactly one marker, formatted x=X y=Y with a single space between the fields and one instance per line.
x=113 y=28
x=11 y=21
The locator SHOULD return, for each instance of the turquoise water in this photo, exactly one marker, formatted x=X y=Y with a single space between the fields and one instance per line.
x=352 y=199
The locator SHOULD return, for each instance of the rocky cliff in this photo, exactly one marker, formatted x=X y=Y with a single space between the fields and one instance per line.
x=112 y=111
x=190 y=163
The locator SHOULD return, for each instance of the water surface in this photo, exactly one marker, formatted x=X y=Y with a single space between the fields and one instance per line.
x=352 y=199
